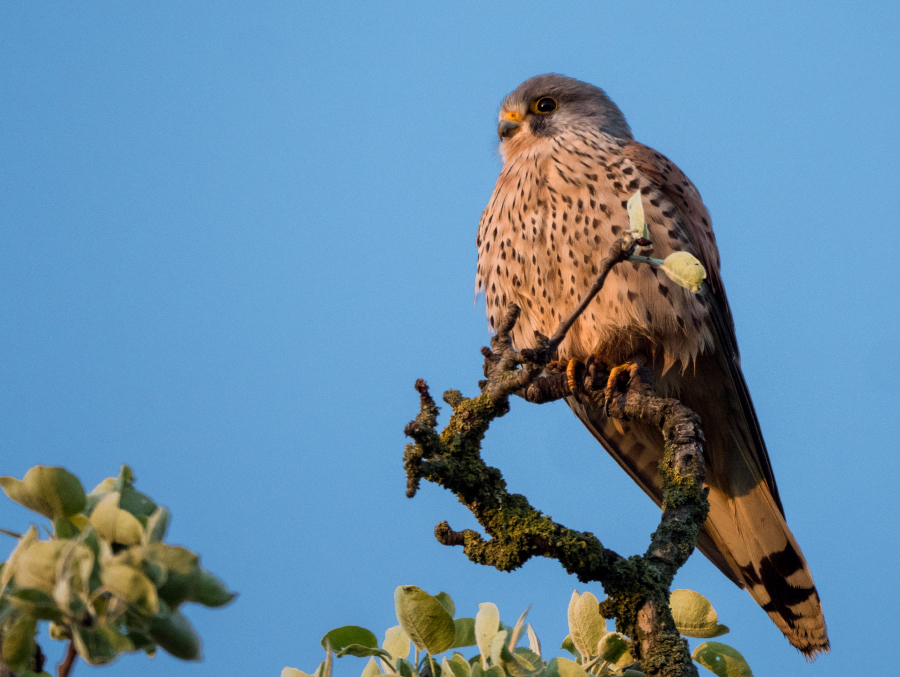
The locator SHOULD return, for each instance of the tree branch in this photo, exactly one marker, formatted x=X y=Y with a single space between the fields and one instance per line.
x=638 y=587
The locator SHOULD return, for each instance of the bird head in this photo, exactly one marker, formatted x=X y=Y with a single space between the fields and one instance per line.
x=547 y=105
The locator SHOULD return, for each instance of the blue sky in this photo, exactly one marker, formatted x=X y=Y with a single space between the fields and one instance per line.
x=233 y=234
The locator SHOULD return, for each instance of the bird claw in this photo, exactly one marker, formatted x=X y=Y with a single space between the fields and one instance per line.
x=620 y=380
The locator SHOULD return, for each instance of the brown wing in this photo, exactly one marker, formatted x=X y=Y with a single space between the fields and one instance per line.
x=672 y=182
x=746 y=535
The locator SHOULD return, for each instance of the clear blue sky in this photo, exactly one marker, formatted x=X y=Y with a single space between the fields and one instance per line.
x=233 y=234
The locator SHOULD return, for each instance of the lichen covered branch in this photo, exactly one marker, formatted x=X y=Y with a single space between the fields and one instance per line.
x=637 y=587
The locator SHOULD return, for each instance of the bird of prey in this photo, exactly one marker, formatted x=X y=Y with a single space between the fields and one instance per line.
x=570 y=164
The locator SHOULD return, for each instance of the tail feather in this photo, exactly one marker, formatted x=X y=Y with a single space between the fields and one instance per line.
x=746 y=535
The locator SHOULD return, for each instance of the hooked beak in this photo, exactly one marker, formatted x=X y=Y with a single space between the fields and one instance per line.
x=510 y=123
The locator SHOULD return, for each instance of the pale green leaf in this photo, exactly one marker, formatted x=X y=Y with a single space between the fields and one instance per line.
x=114 y=524
x=371 y=669
x=396 y=642
x=636 y=224
x=684 y=269
x=533 y=642
x=51 y=491
x=516 y=633
x=497 y=644
x=694 y=615
x=567 y=668
x=131 y=585
x=293 y=672
x=487 y=623
x=722 y=660
x=586 y=625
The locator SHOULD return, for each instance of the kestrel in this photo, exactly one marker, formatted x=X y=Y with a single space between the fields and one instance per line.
x=570 y=165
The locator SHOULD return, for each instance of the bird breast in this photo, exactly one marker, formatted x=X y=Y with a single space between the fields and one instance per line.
x=558 y=206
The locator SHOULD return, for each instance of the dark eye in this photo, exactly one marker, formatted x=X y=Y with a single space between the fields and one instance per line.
x=544 y=105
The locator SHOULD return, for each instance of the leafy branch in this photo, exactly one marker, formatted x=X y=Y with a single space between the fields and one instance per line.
x=105 y=580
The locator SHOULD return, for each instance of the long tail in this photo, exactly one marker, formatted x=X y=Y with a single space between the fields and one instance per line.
x=746 y=535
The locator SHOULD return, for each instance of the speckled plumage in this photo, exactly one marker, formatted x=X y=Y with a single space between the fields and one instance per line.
x=558 y=205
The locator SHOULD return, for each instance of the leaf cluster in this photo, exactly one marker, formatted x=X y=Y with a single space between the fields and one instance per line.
x=427 y=628
x=104 y=578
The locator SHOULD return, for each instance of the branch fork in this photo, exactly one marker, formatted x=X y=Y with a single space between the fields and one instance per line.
x=637 y=587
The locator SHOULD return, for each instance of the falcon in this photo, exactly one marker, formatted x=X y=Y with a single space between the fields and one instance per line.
x=570 y=163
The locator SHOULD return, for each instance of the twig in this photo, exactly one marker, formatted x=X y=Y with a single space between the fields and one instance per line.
x=65 y=668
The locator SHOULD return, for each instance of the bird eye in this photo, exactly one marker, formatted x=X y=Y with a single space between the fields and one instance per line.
x=544 y=105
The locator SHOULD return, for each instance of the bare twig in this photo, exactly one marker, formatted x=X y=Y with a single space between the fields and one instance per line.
x=64 y=669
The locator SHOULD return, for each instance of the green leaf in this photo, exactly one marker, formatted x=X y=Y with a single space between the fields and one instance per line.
x=35 y=603
x=586 y=625
x=494 y=671
x=211 y=591
x=404 y=668
x=131 y=585
x=182 y=569
x=569 y=646
x=347 y=635
x=465 y=632
x=97 y=646
x=51 y=491
x=694 y=615
x=114 y=524
x=552 y=669
x=613 y=646
x=447 y=603
x=456 y=666
x=18 y=644
x=424 y=619
x=722 y=660
x=174 y=633
x=524 y=663
x=567 y=668
x=361 y=651
x=156 y=527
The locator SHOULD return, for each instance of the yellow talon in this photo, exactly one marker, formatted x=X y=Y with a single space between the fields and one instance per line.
x=570 y=377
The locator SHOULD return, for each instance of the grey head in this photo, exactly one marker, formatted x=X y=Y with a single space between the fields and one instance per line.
x=552 y=103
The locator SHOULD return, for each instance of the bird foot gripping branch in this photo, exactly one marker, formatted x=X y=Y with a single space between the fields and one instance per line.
x=637 y=587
